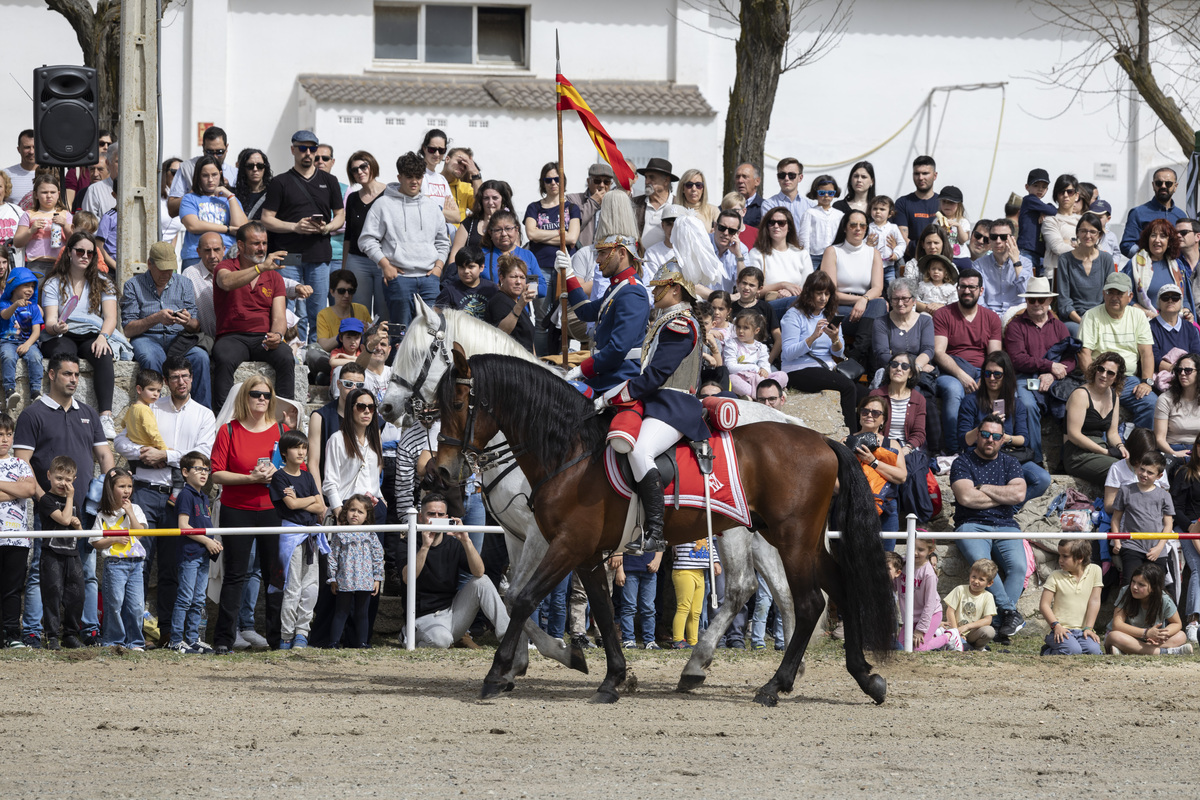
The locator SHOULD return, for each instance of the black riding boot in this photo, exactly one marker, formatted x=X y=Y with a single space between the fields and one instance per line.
x=650 y=492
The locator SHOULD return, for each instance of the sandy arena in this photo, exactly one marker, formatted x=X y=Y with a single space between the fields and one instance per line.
x=392 y=724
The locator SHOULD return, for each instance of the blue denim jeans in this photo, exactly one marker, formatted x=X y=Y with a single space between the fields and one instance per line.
x=552 y=613
x=123 y=602
x=1142 y=410
x=1075 y=644
x=189 y=602
x=1037 y=480
x=637 y=598
x=150 y=351
x=399 y=294
x=1033 y=417
x=1191 y=603
x=370 y=292
x=951 y=392
x=31 y=617
x=762 y=608
x=91 y=589
x=8 y=368
x=316 y=276
x=889 y=520
x=250 y=591
x=1009 y=555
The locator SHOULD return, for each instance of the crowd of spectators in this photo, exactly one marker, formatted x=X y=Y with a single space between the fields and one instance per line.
x=947 y=340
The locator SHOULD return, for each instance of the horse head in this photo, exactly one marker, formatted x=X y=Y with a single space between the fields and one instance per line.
x=420 y=361
x=467 y=421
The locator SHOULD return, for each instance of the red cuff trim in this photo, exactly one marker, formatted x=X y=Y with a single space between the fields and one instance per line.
x=573 y=284
x=588 y=367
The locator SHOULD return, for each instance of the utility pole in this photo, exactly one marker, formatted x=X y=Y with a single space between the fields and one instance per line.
x=137 y=131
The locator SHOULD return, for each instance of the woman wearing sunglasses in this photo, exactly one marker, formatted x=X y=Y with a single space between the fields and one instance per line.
x=997 y=394
x=79 y=305
x=1092 y=442
x=253 y=177
x=354 y=456
x=541 y=220
x=692 y=193
x=363 y=170
x=881 y=463
x=907 y=422
x=434 y=185
x=778 y=254
x=1059 y=231
x=242 y=465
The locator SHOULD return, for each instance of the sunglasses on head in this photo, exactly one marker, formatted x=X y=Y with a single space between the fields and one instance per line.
x=258 y=394
x=787 y=176
x=306 y=148
x=726 y=229
x=364 y=407
x=995 y=437
x=903 y=366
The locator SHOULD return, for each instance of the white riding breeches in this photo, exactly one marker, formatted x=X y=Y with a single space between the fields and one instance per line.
x=654 y=439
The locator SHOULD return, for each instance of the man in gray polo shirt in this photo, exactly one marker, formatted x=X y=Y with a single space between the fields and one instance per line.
x=56 y=424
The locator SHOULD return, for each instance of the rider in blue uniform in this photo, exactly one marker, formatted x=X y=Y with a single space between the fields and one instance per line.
x=621 y=314
x=671 y=359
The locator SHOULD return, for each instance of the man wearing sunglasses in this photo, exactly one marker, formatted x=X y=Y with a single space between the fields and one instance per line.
x=600 y=179
x=303 y=208
x=1111 y=326
x=1037 y=342
x=790 y=174
x=1160 y=207
x=963 y=334
x=214 y=143
x=325 y=163
x=730 y=251
x=988 y=488
x=1005 y=270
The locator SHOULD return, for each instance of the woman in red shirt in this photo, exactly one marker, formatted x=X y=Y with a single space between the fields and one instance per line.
x=241 y=464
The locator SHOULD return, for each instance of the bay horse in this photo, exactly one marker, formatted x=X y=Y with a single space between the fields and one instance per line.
x=789 y=474
x=419 y=363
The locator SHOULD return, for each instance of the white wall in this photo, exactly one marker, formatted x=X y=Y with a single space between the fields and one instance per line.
x=235 y=62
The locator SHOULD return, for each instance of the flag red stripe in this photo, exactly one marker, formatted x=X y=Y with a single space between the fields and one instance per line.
x=569 y=99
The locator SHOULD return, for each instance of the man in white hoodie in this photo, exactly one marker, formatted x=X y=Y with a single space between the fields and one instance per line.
x=405 y=234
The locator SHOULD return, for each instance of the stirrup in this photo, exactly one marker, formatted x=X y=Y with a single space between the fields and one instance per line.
x=635 y=547
x=653 y=543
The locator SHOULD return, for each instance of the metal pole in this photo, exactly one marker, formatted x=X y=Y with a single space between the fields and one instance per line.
x=410 y=605
x=137 y=131
x=910 y=544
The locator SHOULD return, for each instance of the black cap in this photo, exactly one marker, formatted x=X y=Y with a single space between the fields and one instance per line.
x=951 y=193
x=1038 y=176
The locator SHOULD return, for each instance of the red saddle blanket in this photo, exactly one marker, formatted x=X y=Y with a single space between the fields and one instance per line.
x=725 y=483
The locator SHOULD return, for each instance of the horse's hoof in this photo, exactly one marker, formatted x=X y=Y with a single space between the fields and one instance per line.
x=493 y=688
x=578 y=659
x=508 y=687
x=689 y=682
x=766 y=698
x=605 y=697
x=876 y=688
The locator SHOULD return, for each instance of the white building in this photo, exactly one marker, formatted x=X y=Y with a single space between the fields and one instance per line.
x=375 y=74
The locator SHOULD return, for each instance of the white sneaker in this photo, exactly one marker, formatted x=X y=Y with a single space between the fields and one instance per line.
x=106 y=423
x=1192 y=628
x=254 y=639
x=240 y=643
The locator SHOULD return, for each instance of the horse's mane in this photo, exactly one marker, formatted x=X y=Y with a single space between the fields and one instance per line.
x=535 y=407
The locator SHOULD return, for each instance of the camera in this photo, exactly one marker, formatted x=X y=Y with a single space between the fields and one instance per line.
x=1032 y=384
x=865 y=438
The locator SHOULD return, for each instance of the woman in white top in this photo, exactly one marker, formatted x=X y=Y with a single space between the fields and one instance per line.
x=777 y=253
x=354 y=455
x=692 y=194
x=1059 y=231
x=434 y=185
x=857 y=271
x=822 y=220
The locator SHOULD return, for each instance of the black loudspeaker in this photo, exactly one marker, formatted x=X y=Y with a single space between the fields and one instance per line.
x=65 y=128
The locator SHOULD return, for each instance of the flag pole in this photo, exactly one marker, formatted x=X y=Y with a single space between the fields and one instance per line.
x=559 y=281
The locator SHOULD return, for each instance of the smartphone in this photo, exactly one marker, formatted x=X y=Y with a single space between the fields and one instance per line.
x=998 y=407
x=837 y=320
x=265 y=461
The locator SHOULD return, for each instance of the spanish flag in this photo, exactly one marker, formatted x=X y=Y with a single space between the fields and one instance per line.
x=570 y=99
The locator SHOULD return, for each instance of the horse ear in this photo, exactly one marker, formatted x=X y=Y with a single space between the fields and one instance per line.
x=462 y=367
x=422 y=307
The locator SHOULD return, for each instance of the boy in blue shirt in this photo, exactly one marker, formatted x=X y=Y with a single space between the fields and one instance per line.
x=1029 y=219
x=193 y=509
x=20 y=326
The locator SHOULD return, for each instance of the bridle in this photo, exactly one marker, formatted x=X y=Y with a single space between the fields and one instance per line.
x=416 y=406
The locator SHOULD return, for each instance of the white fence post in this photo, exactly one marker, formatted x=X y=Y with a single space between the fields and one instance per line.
x=910 y=544
x=410 y=606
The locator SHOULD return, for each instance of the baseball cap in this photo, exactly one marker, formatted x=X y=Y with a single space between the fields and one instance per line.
x=672 y=211
x=1100 y=207
x=162 y=255
x=1118 y=280
x=951 y=193
x=1168 y=288
x=351 y=325
x=1038 y=176
x=306 y=137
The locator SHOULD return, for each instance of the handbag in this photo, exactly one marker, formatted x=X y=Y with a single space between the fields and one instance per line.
x=1022 y=453
x=850 y=368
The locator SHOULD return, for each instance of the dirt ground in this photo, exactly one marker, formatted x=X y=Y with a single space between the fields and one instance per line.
x=387 y=723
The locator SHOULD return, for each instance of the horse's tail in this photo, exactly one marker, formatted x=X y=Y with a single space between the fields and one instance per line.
x=867 y=597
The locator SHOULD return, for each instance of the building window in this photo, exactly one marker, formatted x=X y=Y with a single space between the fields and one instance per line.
x=463 y=35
